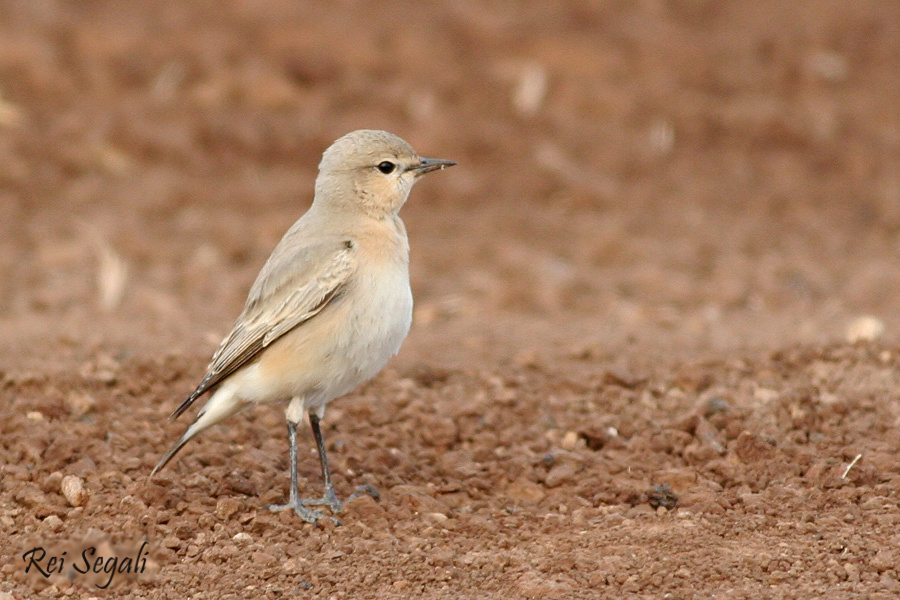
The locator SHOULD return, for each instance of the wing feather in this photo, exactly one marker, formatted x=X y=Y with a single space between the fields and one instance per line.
x=294 y=286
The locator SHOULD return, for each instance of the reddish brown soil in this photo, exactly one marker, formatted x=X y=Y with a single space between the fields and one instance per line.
x=637 y=285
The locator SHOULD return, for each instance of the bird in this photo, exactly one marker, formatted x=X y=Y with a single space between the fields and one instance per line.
x=329 y=308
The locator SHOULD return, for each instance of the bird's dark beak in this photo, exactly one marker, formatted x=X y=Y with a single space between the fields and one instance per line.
x=427 y=165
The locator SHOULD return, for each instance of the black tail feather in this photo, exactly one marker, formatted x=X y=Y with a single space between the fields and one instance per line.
x=170 y=454
x=204 y=387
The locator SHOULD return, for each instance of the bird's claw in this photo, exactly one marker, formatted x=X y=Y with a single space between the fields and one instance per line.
x=307 y=514
x=329 y=499
x=366 y=489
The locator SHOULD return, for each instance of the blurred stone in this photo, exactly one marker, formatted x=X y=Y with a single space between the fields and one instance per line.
x=752 y=448
x=367 y=510
x=10 y=114
x=440 y=432
x=525 y=490
x=884 y=559
x=764 y=394
x=72 y=488
x=52 y=522
x=661 y=138
x=227 y=508
x=702 y=501
x=52 y=482
x=80 y=403
x=535 y=584
x=569 y=441
x=262 y=558
x=599 y=437
x=104 y=369
x=864 y=329
x=562 y=473
x=678 y=480
x=662 y=496
x=418 y=499
x=527 y=359
x=531 y=89
x=622 y=379
x=715 y=405
x=172 y=542
x=708 y=435
x=440 y=519
x=828 y=65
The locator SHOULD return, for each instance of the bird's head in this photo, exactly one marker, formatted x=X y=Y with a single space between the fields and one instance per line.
x=372 y=170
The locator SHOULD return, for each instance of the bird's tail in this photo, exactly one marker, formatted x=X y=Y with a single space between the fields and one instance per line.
x=220 y=406
x=172 y=452
x=201 y=389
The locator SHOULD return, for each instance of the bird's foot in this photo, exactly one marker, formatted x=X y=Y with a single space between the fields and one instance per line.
x=307 y=514
x=331 y=501
x=366 y=489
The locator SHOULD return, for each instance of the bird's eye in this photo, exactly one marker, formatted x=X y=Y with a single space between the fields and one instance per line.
x=386 y=167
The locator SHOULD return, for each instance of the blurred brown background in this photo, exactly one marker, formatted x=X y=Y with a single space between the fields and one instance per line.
x=699 y=173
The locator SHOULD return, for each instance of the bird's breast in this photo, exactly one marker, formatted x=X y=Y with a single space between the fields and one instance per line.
x=381 y=316
x=353 y=337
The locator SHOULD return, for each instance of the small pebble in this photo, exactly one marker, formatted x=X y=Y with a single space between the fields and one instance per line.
x=72 y=488
x=662 y=496
x=172 y=542
x=523 y=490
x=242 y=537
x=437 y=517
x=227 y=508
x=569 y=440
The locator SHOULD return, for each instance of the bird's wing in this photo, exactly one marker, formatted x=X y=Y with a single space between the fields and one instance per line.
x=294 y=286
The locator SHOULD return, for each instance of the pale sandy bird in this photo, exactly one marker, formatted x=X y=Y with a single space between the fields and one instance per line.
x=331 y=305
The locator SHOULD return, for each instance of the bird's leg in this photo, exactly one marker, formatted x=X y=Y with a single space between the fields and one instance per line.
x=307 y=514
x=330 y=499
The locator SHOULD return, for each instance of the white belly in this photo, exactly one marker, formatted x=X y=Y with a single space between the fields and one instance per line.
x=377 y=324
